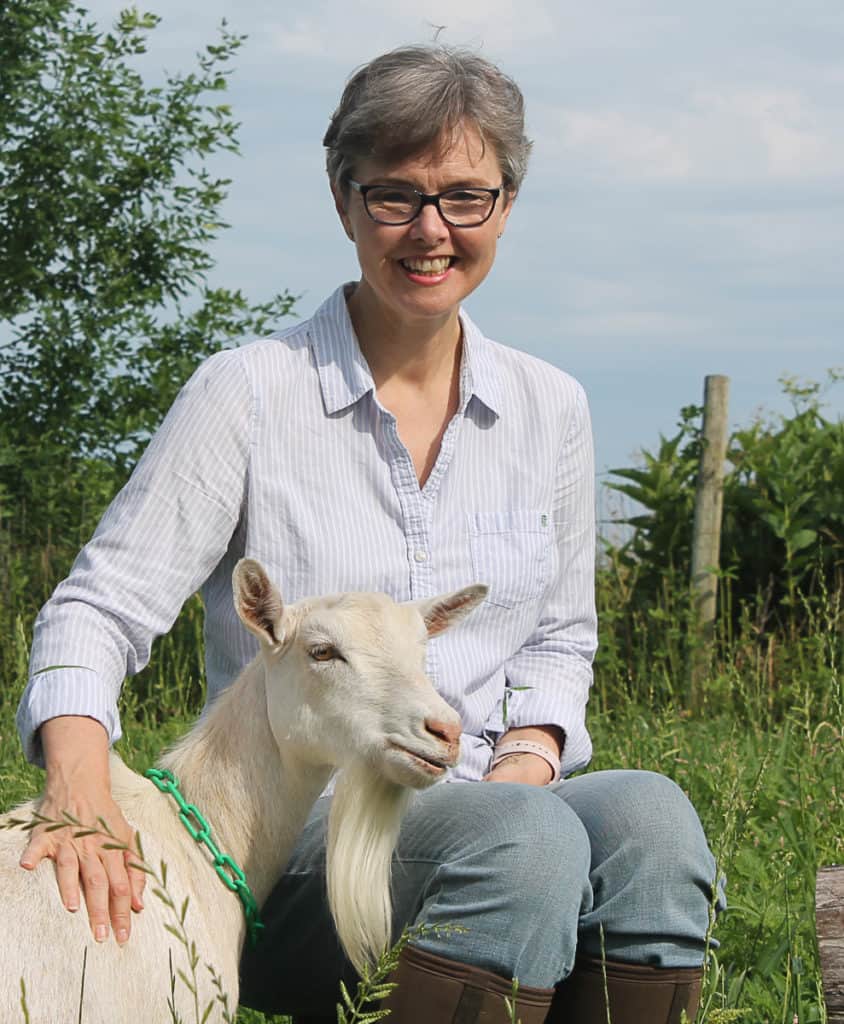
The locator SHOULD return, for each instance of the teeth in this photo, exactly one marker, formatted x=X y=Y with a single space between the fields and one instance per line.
x=435 y=265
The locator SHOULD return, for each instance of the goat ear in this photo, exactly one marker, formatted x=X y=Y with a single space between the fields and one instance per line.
x=257 y=602
x=440 y=613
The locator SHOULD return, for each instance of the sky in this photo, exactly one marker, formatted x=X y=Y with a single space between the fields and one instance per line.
x=683 y=213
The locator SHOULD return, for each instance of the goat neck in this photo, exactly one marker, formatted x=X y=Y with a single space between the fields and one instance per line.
x=255 y=792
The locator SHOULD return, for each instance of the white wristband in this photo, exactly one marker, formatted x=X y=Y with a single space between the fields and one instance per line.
x=503 y=750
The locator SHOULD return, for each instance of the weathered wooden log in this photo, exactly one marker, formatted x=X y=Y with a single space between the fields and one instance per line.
x=829 y=921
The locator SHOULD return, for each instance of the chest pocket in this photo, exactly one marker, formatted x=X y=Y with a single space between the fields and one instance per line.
x=511 y=554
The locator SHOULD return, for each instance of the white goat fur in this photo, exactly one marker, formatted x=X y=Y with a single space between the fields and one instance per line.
x=254 y=765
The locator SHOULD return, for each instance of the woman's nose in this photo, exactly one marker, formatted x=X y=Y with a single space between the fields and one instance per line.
x=428 y=225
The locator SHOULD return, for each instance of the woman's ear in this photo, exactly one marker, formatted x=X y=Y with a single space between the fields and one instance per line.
x=509 y=198
x=340 y=207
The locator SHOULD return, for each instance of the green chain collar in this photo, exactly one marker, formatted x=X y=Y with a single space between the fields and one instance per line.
x=230 y=874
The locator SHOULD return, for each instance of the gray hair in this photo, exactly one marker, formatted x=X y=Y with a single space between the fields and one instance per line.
x=415 y=98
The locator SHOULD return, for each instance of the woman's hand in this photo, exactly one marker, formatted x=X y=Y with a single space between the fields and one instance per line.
x=525 y=767
x=78 y=783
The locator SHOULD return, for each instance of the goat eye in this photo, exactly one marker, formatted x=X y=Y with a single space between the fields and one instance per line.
x=324 y=652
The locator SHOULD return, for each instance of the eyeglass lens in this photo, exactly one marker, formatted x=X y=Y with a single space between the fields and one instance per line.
x=459 y=206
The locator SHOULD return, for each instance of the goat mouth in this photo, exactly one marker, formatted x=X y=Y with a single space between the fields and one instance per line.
x=431 y=765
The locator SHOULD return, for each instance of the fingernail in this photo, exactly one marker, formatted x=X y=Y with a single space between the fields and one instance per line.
x=122 y=936
x=101 y=933
x=72 y=907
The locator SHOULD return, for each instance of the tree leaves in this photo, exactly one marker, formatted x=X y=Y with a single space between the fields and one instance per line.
x=109 y=211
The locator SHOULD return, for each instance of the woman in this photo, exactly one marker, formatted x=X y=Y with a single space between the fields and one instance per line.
x=387 y=444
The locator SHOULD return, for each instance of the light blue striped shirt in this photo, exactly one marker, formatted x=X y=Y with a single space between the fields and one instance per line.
x=280 y=451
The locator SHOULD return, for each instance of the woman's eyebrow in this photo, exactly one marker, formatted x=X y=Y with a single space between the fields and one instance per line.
x=385 y=179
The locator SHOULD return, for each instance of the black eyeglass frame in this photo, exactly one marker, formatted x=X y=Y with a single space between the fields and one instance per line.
x=426 y=199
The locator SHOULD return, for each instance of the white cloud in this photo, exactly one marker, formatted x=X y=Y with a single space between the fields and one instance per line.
x=623 y=145
x=733 y=135
x=793 y=137
x=653 y=326
x=302 y=39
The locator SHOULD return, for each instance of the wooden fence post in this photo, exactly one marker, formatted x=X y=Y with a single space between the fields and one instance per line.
x=706 y=538
x=829 y=920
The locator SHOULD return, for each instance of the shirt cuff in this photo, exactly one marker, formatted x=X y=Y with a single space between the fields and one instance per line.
x=527 y=707
x=64 y=691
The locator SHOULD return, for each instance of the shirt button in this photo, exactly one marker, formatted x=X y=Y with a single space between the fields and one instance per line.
x=420 y=555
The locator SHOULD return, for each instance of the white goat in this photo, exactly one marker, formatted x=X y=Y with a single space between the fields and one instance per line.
x=339 y=681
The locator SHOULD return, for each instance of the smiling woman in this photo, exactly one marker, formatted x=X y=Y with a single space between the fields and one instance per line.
x=388 y=444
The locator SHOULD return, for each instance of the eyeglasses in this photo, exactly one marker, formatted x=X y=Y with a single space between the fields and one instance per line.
x=400 y=204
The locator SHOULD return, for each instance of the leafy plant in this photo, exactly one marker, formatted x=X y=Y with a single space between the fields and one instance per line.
x=782 y=540
x=109 y=214
x=784 y=520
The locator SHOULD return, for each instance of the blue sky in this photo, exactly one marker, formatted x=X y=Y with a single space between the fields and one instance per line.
x=684 y=209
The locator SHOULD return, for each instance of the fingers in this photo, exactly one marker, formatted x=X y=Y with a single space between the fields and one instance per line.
x=111 y=887
x=41 y=846
x=45 y=844
x=137 y=880
x=67 y=875
x=118 y=897
x=95 y=884
x=37 y=849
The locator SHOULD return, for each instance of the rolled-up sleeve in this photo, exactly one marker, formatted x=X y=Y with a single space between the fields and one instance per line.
x=549 y=677
x=156 y=544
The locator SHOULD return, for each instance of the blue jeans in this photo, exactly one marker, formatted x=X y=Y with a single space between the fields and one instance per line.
x=531 y=874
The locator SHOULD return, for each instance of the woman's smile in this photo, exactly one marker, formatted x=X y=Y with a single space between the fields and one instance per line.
x=428 y=271
x=428 y=266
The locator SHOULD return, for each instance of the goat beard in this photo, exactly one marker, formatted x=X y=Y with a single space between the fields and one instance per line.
x=363 y=830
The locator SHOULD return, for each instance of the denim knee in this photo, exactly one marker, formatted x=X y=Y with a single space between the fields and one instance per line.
x=652 y=872
x=514 y=872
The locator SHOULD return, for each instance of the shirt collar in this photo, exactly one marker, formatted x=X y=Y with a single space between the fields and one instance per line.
x=345 y=377
x=479 y=368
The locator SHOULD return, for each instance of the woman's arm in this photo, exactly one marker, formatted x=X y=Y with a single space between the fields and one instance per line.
x=549 y=676
x=157 y=543
x=78 y=783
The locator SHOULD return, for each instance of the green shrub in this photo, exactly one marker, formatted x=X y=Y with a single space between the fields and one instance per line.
x=782 y=554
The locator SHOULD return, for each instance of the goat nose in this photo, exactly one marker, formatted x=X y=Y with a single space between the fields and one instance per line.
x=445 y=730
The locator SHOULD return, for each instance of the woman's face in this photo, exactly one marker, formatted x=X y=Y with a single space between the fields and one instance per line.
x=426 y=268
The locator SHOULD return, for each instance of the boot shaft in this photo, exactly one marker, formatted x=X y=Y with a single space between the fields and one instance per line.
x=637 y=994
x=433 y=990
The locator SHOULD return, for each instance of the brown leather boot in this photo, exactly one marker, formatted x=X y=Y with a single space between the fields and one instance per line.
x=637 y=994
x=433 y=990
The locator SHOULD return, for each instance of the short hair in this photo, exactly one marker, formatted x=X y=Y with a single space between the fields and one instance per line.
x=414 y=98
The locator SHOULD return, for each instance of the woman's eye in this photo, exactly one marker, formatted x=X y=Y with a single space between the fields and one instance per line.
x=466 y=196
x=325 y=652
x=394 y=195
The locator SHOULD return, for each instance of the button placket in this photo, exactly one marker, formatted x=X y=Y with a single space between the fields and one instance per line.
x=416 y=511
